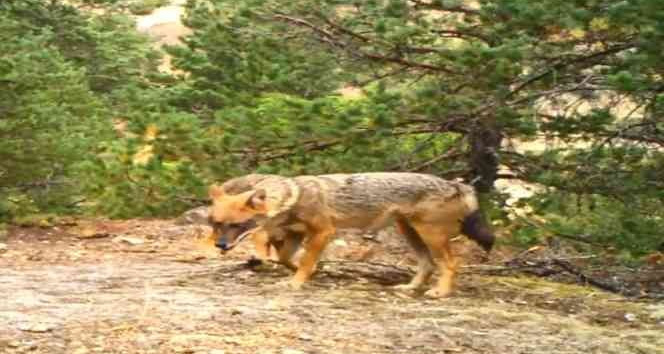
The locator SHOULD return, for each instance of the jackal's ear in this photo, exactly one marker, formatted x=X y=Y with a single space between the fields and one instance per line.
x=257 y=200
x=215 y=191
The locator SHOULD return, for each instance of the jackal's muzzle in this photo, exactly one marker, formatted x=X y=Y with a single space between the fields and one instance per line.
x=229 y=235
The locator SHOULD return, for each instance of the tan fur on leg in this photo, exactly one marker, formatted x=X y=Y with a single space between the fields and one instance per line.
x=424 y=263
x=261 y=245
x=286 y=250
x=321 y=230
x=437 y=240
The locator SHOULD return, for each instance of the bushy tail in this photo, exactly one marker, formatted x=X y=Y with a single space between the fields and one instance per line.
x=475 y=226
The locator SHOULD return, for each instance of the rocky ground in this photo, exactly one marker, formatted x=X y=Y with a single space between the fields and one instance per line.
x=153 y=286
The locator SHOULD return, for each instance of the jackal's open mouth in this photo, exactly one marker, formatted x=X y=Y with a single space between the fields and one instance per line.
x=238 y=239
x=230 y=235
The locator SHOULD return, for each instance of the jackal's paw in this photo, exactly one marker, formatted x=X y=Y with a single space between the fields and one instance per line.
x=437 y=293
x=291 y=284
x=295 y=284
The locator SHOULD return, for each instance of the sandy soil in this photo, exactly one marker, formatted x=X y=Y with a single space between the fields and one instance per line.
x=150 y=287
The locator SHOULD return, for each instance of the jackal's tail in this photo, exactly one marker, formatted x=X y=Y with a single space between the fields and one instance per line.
x=474 y=224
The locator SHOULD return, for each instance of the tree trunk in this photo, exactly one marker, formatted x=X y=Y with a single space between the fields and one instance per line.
x=484 y=145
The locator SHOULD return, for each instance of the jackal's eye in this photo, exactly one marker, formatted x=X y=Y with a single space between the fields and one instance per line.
x=215 y=224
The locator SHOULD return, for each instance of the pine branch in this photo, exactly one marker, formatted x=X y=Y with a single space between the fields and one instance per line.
x=329 y=37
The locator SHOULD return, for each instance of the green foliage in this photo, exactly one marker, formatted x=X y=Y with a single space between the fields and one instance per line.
x=59 y=78
x=446 y=87
x=632 y=225
x=44 y=97
x=153 y=164
x=145 y=7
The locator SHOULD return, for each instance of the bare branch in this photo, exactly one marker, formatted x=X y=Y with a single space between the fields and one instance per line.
x=408 y=63
x=330 y=38
x=462 y=35
x=450 y=154
x=564 y=63
x=343 y=29
x=326 y=36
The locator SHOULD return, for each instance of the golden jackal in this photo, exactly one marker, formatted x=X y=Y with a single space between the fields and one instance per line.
x=427 y=210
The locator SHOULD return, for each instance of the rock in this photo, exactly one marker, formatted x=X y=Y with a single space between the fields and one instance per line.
x=37 y=327
x=130 y=240
x=81 y=350
x=292 y=351
x=340 y=242
x=89 y=232
x=305 y=337
x=656 y=312
x=235 y=312
x=3 y=247
x=196 y=216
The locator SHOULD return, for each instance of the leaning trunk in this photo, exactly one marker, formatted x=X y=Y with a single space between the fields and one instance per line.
x=484 y=145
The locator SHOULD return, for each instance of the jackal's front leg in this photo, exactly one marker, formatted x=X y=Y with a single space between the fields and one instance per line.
x=287 y=248
x=313 y=247
x=425 y=265
x=261 y=242
x=437 y=240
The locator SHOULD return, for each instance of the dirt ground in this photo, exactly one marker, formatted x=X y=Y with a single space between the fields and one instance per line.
x=152 y=287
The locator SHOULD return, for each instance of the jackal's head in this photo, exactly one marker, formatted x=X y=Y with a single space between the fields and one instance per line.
x=233 y=216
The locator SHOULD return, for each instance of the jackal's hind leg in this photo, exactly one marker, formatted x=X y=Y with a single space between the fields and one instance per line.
x=424 y=263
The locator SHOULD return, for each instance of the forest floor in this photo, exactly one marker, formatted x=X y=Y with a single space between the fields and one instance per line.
x=153 y=286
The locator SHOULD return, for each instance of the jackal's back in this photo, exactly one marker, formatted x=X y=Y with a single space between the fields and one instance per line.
x=370 y=194
x=245 y=183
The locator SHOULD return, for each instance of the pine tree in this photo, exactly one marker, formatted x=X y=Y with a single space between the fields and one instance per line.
x=450 y=87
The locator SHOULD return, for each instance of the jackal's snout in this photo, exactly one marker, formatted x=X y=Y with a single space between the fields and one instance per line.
x=227 y=235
